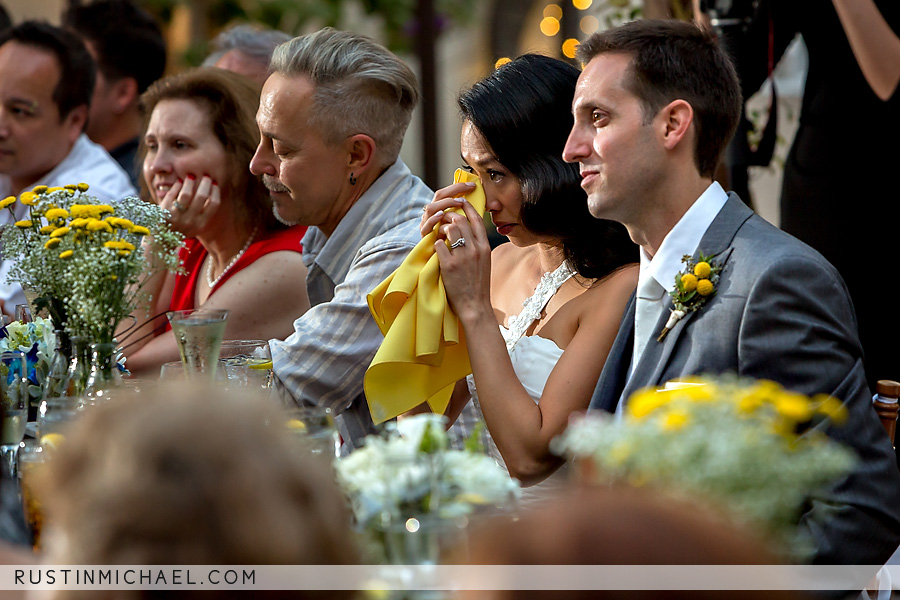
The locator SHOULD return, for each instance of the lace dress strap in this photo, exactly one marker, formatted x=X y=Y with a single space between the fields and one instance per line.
x=534 y=305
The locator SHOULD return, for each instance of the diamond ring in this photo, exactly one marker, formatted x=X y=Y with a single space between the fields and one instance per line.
x=177 y=205
x=458 y=243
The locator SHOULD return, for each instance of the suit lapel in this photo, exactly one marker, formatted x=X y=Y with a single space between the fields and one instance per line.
x=716 y=241
x=615 y=371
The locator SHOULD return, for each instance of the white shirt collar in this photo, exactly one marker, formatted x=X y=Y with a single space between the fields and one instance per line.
x=683 y=238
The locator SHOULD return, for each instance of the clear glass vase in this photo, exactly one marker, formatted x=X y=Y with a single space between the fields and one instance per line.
x=54 y=384
x=79 y=366
x=104 y=376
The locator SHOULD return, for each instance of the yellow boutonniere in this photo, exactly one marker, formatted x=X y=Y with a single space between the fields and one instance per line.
x=693 y=287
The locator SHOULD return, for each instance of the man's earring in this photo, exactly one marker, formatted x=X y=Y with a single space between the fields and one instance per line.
x=352 y=179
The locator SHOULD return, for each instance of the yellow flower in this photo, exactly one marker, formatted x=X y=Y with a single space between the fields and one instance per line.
x=27 y=198
x=675 y=420
x=71 y=187
x=104 y=208
x=644 y=402
x=705 y=287
x=82 y=187
x=140 y=230
x=124 y=252
x=124 y=224
x=52 y=243
x=83 y=210
x=40 y=189
x=98 y=225
x=119 y=245
x=702 y=270
x=66 y=254
x=7 y=201
x=24 y=224
x=78 y=223
x=54 y=189
x=793 y=406
x=60 y=232
x=47 y=229
x=56 y=213
x=831 y=407
x=697 y=393
x=689 y=282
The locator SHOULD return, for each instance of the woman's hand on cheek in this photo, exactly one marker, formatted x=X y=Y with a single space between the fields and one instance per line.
x=191 y=204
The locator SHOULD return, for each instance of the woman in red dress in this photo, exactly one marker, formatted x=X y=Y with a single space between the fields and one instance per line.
x=198 y=140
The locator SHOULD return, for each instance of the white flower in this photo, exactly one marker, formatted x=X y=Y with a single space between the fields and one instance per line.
x=412 y=471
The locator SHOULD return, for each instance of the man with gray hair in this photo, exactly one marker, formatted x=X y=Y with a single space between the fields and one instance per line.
x=245 y=50
x=332 y=118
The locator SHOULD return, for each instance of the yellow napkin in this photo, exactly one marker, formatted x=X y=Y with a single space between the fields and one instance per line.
x=423 y=353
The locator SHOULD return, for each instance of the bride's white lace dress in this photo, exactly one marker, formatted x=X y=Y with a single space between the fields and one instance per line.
x=533 y=358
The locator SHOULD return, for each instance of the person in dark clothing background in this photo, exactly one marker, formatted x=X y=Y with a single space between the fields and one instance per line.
x=838 y=194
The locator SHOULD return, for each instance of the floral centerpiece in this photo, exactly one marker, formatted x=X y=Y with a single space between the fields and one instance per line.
x=85 y=258
x=751 y=447
x=411 y=476
x=37 y=341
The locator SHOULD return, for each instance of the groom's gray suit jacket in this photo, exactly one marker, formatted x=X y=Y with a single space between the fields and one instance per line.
x=781 y=312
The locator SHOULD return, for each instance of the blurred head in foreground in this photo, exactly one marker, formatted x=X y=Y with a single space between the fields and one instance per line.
x=617 y=526
x=192 y=477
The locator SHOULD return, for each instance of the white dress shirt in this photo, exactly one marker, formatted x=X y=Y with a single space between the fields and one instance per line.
x=657 y=273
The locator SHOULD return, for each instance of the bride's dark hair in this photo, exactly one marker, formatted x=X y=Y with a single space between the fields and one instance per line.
x=524 y=111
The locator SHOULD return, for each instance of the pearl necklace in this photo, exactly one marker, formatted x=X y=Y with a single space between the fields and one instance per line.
x=209 y=266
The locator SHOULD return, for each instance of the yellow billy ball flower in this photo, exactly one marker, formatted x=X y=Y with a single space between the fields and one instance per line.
x=23 y=224
x=47 y=229
x=60 y=232
x=27 y=198
x=702 y=270
x=831 y=407
x=689 y=282
x=675 y=420
x=82 y=187
x=66 y=254
x=795 y=407
x=56 y=213
x=40 y=189
x=54 y=189
x=140 y=230
x=52 y=243
x=705 y=287
x=7 y=201
x=71 y=186
x=644 y=402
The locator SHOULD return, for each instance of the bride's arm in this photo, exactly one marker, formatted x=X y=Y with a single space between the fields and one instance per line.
x=522 y=429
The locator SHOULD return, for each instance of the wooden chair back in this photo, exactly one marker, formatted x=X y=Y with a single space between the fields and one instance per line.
x=886 y=405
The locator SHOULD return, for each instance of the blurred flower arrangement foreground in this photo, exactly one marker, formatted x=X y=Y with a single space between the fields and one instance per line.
x=750 y=448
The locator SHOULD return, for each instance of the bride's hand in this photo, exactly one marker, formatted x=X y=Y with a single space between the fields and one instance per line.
x=191 y=204
x=444 y=199
x=466 y=269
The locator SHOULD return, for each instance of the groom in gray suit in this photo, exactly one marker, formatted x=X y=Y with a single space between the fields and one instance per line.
x=654 y=108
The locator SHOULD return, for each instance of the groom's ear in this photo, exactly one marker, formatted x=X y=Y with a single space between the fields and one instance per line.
x=675 y=119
